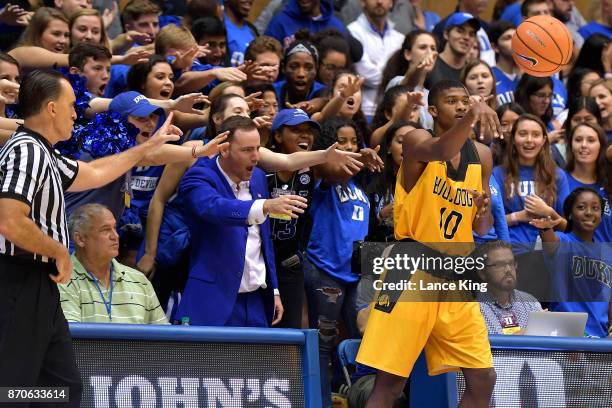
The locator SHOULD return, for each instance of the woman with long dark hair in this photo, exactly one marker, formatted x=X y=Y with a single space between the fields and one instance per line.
x=587 y=167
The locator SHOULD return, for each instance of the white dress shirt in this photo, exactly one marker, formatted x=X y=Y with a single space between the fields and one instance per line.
x=377 y=50
x=254 y=272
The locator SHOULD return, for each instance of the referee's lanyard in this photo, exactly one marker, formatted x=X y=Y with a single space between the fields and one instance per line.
x=108 y=305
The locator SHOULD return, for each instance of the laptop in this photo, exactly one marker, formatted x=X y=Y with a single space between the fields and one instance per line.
x=562 y=324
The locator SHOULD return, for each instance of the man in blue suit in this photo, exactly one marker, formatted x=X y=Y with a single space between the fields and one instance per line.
x=232 y=277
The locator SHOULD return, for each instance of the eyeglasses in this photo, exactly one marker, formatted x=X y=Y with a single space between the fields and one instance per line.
x=542 y=95
x=502 y=265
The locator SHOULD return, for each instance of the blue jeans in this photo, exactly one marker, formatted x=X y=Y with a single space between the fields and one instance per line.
x=329 y=299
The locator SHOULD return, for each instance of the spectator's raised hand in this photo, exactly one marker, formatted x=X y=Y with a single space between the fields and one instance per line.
x=109 y=15
x=353 y=86
x=556 y=135
x=263 y=122
x=212 y=148
x=8 y=91
x=428 y=61
x=545 y=223
x=229 y=74
x=13 y=15
x=184 y=103
x=254 y=101
x=348 y=161
x=166 y=133
x=538 y=207
x=137 y=37
x=371 y=159
x=136 y=55
x=253 y=71
x=291 y=205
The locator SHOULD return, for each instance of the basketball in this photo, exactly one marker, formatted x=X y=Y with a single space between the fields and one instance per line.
x=542 y=45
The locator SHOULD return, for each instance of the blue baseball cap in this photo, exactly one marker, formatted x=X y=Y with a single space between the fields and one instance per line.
x=292 y=117
x=135 y=104
x=459 y=19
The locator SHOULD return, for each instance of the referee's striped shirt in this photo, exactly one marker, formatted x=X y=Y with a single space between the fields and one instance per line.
x=33 y=172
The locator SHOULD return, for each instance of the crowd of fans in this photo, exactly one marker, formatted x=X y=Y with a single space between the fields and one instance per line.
x=314 y=78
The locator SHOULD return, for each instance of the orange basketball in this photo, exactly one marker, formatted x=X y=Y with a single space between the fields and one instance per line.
x=542 y=45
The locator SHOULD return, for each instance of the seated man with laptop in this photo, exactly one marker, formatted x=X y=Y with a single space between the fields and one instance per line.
x=504 y=308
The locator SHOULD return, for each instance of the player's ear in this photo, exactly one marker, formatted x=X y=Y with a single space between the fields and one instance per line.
x=433 y=111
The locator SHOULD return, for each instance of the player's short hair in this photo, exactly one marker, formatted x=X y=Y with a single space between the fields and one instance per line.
x=527 y=3
x=37 y=89
x=80 y=219
x=208 y=26
x=440 y=87
x=262 y=44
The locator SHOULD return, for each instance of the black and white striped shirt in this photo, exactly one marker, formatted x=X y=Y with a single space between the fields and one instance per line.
x=33 y=172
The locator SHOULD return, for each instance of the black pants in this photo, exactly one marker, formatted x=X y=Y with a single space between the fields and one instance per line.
x=291 y=288
x=35 y=344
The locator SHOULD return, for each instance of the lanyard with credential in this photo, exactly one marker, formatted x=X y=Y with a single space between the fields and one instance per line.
x=108 y=305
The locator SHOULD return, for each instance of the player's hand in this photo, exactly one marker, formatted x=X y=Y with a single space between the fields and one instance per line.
x=536 y=206
x=485 y=117
x=146 y=265
x=291 y=205
x=63 y=263
x=482 y=202
x=348 y=161
x=278 y=310
x=371 y=159
x=545 y=223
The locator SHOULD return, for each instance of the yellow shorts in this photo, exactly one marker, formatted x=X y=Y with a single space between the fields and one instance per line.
x=453 y=334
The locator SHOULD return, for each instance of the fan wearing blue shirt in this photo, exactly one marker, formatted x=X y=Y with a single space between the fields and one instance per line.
x=601 y=26
x=507 y=73
x=581 y=267
x=240 y=32
x=531 y=184
x=342 y=216
x=587 y=167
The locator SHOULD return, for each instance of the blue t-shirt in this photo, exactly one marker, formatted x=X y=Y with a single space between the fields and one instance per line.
x=594 y=27
x=238 y=39
x=603 y=233
x=504 y=86
x=512 y=14
x=559 y=96
x=499 y=230
x=144 y=180
x=523 y=232
x=341 y=217
x=281 y=92
x=118 y=80
x=581 y=280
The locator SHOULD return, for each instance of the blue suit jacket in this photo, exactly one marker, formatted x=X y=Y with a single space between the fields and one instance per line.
x=217 y=221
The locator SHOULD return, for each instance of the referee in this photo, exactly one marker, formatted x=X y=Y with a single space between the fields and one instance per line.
x=35 y=344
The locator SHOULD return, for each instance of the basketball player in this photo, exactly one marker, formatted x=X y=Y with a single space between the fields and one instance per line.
x=453 y=333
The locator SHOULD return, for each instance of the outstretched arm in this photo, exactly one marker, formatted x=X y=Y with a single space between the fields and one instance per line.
x=484 y=219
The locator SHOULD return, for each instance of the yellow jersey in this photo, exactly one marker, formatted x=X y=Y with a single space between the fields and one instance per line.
x=439 y=208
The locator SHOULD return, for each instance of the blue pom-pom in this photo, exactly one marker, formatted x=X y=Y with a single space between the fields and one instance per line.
x=109 y=133
x=79 y=85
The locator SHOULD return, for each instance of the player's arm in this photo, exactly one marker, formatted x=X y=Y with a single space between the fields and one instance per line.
x=484 y=219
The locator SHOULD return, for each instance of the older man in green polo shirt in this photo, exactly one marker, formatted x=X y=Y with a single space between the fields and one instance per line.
x=101 y=290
